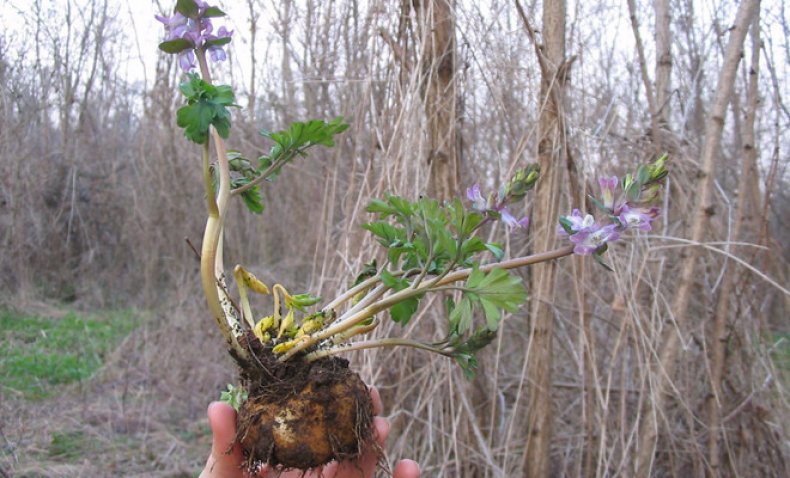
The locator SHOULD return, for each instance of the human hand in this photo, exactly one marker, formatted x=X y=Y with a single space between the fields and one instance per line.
x=227 y=464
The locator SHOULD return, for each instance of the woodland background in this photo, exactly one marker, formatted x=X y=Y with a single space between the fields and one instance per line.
x=675 y=364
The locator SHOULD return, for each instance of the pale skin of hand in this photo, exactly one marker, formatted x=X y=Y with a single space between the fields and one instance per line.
x=224 y=464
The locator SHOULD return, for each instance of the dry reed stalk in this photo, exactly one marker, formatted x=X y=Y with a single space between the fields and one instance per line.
x=704 y=209
x=135 y=253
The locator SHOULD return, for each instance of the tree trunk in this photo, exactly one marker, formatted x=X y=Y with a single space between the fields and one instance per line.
x=254 y=16
x=551 y=155
x=663 y=66
x=437 y=20
x=745 y=209
x=664 y=370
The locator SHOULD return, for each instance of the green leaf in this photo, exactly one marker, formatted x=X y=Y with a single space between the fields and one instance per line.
x=377 y=206
x=296 y=139
x=490 y=293
x=188 y=8
x=192 y=87
x=598 y=256
x=394 y=283
x=492 y=313
x=468 y=364
x=234 y=396
x=195 y=119
x=461 y=317
x=403 y=311
x=499 y=287
x=369 y=270
x=212 y=12
x=567 y=225
x=223 y=94
x=300 y=301
x=402 y=206
x=642 y=174
x=176 y=46
x=463 y=351
x=206 y=105
x=496 y=250
x=472 y=246
x=388 y=234
x=252 y=199
x=217 y=41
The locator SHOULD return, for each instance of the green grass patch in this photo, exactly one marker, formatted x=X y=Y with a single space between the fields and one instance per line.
x=38 y=354
x=69 y=445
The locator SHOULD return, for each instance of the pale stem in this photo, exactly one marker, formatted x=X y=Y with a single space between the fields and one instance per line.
x=369 y=344
x=405 y=294
x=245 y=301
x=211 y=263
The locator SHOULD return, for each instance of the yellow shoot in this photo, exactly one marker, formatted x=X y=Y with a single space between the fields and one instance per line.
x=310 y=326
x=287 y=324
x=285 y=346
x=261 y=329
x=253 y=282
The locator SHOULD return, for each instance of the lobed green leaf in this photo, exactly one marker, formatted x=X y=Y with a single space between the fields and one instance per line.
x=176 y=46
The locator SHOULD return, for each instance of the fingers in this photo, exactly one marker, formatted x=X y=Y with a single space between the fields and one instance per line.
x=381 y=430
x=221 y=464
x=378 y=407
x=406 y=469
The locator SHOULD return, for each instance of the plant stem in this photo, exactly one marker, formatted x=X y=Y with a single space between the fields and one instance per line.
x=271 y=169
x=212 y=272
x=389 y=301
x=350 y=293
x=211 y=201
x=369 y=344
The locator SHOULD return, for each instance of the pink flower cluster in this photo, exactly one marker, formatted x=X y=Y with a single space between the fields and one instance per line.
x=589 y=236
x=488 y=207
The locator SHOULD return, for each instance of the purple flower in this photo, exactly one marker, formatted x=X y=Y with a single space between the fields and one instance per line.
x=197 y=31
x=179 y=26
x=608 y=187
x=593 y=238
x=478 y=201
x=637 y=217
x=216 y=52
x=577 y=223
x=173 y=24
x=511 y=221
x=186 y=60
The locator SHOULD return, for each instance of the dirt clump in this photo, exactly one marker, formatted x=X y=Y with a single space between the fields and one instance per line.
x=302 y=415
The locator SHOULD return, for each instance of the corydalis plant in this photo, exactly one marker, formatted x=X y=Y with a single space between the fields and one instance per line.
x=299 y=406
x=430 y=246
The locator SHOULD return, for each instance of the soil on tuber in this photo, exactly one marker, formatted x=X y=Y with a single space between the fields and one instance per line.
x=301 y=414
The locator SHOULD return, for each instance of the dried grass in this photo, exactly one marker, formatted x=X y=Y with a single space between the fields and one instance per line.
x=99 y=216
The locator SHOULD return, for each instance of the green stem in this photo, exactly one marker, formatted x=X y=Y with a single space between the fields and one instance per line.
x=271 y=169
x=208 y=182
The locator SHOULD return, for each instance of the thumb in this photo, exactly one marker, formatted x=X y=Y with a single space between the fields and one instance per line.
x=225 y=459
x=406 y=469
